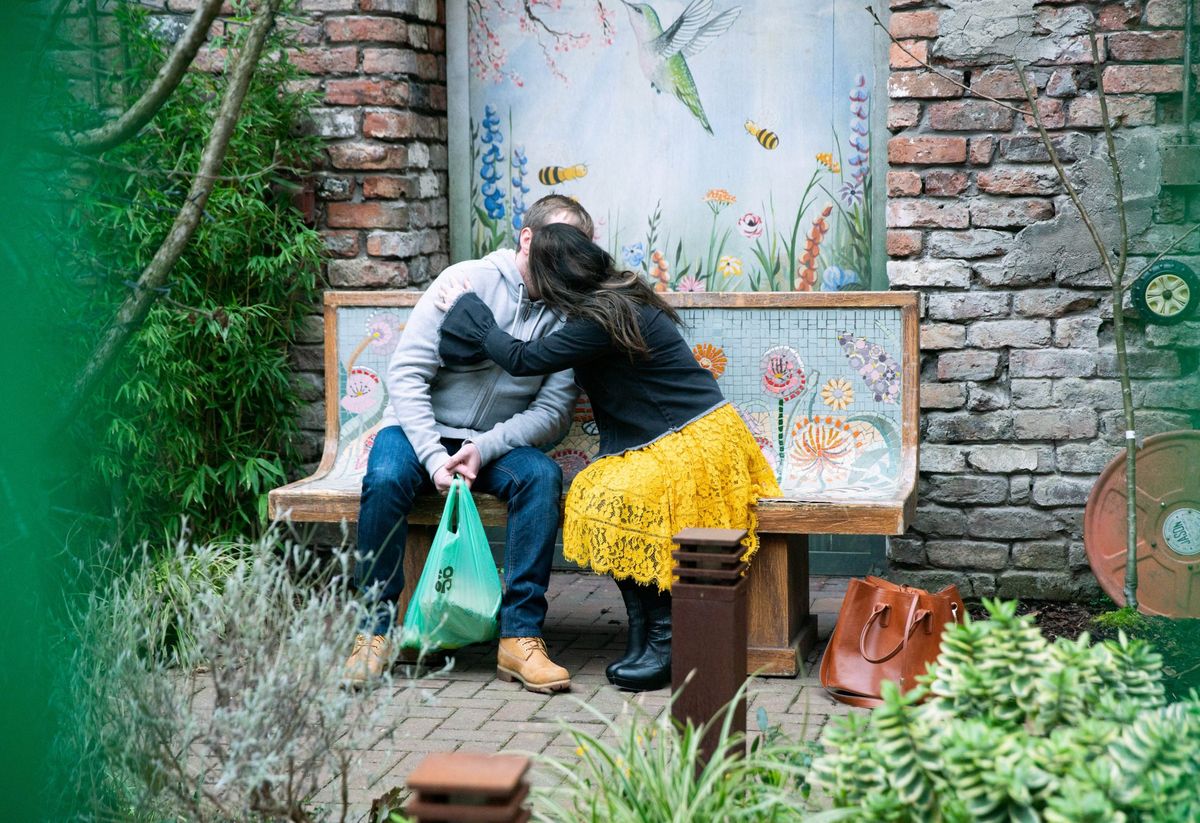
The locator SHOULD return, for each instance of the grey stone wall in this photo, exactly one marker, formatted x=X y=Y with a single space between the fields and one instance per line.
x=1020 y=394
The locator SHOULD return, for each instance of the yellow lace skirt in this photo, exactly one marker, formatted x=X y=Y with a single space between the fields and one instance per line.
x=623 y=509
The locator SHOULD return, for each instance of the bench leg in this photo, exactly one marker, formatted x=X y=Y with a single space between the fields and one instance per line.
x=781 y=631
x=416 y=552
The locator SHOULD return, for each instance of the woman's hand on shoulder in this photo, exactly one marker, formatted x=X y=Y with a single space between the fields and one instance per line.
x=449 y=292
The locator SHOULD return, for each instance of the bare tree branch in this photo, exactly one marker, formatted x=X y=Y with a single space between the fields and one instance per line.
x=944 y=75
x=138 y=303
x=1111 y=147
x=117 y=131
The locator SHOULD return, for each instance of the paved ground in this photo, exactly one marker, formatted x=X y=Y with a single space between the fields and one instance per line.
x=469 y=709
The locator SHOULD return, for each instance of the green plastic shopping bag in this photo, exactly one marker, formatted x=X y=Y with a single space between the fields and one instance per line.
x=457 y=598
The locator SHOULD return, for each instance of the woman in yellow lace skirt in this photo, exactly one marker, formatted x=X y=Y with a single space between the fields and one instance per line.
x=673 y=453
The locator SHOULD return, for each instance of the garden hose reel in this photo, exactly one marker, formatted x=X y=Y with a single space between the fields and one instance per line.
x=1166 y=294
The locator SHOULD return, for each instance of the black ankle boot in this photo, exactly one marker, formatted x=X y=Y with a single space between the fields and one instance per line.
x=653 y=669
x=635 y=643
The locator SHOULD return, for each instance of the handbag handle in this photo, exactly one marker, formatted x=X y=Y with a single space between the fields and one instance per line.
x=882 y=609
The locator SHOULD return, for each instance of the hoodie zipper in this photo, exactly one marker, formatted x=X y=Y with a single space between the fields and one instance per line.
x=487 y=396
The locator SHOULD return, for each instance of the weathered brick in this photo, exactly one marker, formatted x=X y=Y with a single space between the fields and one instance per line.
x=983 y=398
x=1001 y=83
x=1077 y=333
x=1165 y=13
x=968 y=554
x=1052 y=302
x=969 y=115
x=332 y=123
x=341 y=243
x=367 y=273
x=1002 y=459
x=325 y=59
x=905 y=84
x=369 y=29
x=958 y=427
x=903 y=115
x=1168 y=394
x=1052 y=363
x=913 y=213
x=906 y=550
x=903 y=183
x=387 y=188
x=1071 y=392
x=1145 y=45
x=926 y=150
x=942 y=336
x=926 y=273
x=943 y=395
x=1039 y=554
x=328 y=5
x=903 y=242
x=1017 y=334
x=914 y=24
x=1061 y=491
x=969 y=306
x=1131 y=110
x=980 y=150
x=1024 y=148
x=1084 y=458
x=1017 y=181
x=367 y=156
x=334 y=187
x=366 y=92
x=969 y=244
x=1062 y=83
x=1012 y=523
x=1009 y=212
x=944 y=459
x=936 y=520
x=1019 y=486
x=1182 y=336
x=376 y=215
x=388 y=125
x=959 y=489
x=1046 y=585
x=908 y=54
x=1055 y=424
x=1031 y=394
x=1149 y=421
x=394 y=243
x=1118 y=16
x=1142 y=363
x=1143 y=79
x=945 y=183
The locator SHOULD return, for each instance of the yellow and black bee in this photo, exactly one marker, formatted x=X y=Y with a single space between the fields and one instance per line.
x=765 y=137
x=553 y=175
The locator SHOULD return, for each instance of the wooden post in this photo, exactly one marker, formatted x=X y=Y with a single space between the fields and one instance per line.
x=708 y=625
x=461 y=787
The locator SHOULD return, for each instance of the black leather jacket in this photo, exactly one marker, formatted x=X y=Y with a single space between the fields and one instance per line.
x=635 y=401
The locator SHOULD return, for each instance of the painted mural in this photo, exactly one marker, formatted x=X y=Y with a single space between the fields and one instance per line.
x=819 y=389
x=721 y=145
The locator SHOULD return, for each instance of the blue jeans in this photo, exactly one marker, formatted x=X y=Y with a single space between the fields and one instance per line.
x=526 y=478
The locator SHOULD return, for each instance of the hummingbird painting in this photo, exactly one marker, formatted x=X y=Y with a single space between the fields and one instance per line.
x=662 y=54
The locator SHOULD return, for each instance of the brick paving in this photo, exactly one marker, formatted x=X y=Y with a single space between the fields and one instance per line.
x=468 y=709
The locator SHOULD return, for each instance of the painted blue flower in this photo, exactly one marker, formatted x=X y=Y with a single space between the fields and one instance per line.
x=520 y=167
x=491 y=137
x=836 y=278
x=633 y=254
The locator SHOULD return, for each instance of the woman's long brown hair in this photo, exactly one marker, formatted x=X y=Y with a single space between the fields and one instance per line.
x=578 y=278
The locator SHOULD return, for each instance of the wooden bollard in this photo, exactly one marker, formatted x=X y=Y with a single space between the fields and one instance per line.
x=708 y=628
x=464 y=787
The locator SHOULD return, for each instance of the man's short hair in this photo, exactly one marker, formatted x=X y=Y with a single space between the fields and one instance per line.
x=557 y=208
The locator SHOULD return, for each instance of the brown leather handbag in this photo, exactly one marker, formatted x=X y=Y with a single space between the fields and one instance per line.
x=885 y=631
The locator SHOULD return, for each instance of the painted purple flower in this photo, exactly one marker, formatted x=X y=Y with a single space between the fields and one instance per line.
x=384 y=332
x=689 y=283
x=750 y=225
x=782 y=372
x=875 y=366
x=851 y=193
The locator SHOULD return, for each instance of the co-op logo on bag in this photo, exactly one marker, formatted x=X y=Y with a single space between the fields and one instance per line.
x=445 y=580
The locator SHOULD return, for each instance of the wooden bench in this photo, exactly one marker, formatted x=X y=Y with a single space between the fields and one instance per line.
x=831 y=376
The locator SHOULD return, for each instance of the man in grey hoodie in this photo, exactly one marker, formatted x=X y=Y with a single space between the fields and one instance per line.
x=484 y=424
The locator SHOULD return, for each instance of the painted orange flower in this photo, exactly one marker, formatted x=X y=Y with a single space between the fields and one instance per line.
x=824 y=447
x=711 y=358
x=719 y=196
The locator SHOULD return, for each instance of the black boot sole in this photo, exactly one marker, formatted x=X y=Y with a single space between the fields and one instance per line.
x=641 y=685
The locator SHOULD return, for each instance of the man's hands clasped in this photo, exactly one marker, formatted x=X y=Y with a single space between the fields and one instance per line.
x=466 y=463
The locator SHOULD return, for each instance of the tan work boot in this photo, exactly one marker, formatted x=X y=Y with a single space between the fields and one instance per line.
x=367 y=660
x=525 y=659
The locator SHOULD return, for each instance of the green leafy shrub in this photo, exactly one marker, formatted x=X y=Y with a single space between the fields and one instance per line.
x=199 y=416
x=1019 y=729
x=1176 y=639
x=646 y=770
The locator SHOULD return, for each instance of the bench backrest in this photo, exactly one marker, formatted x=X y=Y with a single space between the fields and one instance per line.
x=827 y=383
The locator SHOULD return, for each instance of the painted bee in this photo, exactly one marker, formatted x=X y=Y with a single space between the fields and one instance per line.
x=553 y=175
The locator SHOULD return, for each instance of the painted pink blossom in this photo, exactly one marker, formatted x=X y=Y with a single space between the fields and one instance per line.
x=782 y=372
x=364 y=391
x=689 y=283
x=750 y=225
x=384 y=332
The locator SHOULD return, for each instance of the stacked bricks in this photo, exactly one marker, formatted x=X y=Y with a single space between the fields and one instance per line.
x=1020 y=393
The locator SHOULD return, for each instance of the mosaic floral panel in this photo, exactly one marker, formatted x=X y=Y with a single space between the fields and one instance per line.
x=819 y=389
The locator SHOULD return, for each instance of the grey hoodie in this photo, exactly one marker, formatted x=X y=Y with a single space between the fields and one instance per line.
x=481 y=402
